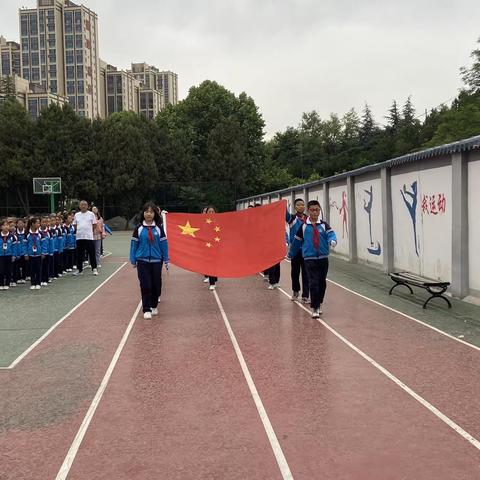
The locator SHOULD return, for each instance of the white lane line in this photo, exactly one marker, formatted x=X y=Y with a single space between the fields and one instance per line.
x=463 y=342
x=277 y=450
x=393 y=378
x=72 y=452
x=53 y=327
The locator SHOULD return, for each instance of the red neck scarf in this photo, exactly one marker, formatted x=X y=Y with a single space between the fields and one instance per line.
x=316 y=235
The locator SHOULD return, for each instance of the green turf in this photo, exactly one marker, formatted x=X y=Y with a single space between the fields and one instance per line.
x=461 y=321
x=25 y=315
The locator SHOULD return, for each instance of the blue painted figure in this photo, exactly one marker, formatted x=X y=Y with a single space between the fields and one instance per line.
x=412 y=208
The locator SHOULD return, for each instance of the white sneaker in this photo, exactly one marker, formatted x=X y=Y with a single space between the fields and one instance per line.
x=294 y=296
x=147 y=315
x=60 y=275
x=99 y=266
x=154 y=311
x=13 y=284
x=74 y=267
x=6 y=287
x=95 y=271
x=1 y=287
x=37 y=287
x=211 y=287
x=76 y=273
x=305 y=300
x=44 y=284
x=32 y=287
x=320 y=310
x=271 y=287
x=276 y=285
x=316 y=313
x=206 y=280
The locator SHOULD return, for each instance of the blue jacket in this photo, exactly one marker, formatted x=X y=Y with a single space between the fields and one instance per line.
x=294 y=222
x=53 y=240
x=60 y=238
x=142 y=249
x=304 y=240
x=36 y=244
x=70 y=242
x=22 y=243
x=8 y=245
x=46 y=236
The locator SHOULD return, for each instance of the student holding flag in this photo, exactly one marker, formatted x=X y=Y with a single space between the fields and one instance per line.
x=315 y=238
x=148 y=252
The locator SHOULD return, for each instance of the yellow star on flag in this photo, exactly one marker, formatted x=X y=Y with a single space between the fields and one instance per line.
x=209 y=220
x=217 y=229
x=217 y=239
x=208 y=245
x=187 y=229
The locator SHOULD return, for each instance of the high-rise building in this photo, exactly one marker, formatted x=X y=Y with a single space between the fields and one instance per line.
x=9 y=58
x=122 y=91
x=151 y=98
x=59 y=50
x=167 y=82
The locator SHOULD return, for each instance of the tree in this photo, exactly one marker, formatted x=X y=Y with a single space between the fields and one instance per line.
x=7 y=87
x=16 y=151
x=368 y=126
x=393 y=118
x=471 y=75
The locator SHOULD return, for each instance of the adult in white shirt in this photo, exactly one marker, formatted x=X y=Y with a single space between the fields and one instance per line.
x=85 y=222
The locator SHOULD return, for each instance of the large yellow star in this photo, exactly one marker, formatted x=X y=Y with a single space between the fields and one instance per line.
x=187 y=229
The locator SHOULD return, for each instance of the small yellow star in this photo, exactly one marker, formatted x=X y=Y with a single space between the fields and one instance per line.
x=217 y=239
x=187 y=229
x=217 y=229
x=209 y=245
x=209 y=220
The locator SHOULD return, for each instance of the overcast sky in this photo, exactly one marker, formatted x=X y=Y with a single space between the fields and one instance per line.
x=293 y=56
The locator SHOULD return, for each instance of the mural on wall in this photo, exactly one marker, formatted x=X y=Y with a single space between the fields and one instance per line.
x=412 y=208
x=375 y=248
x=343 y=212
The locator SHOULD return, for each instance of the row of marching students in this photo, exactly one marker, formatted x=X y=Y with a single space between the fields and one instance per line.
x=42 y=250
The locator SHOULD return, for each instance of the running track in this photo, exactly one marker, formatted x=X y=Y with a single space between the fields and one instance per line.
x=178 y=406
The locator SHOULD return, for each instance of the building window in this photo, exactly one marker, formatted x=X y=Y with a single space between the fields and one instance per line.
x=25 y=59
x=35 y=59
x=70 y=72
x=111 y=104
x=43 y=57
x=80 y=71
x=68 y=22
x=78 y=21
x=53 y=71
x=33 y=107
x=53 y=86
x=5 y=64
x=119 y=103
x=42 y=40
x=119 y=84
x=80 y=86
x=79 y=54
x=35 y=74
x=143 y=101
x=50 y=13
x=51 y=26
x=110 y=87
x=43 y=69
x=34 y=43
x=24 y=25
x=78 y=41
x=70 y=87
x=52 y=56
x=69 y=57
x=25 y=45
x=26 y=73
x=33 y=24
x=68 y=41
x=43 y=103
x=81 y=102
x=72 y=102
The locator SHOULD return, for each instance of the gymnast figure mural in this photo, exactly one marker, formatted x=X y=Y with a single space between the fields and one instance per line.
x=375 y=248
x=412 y=208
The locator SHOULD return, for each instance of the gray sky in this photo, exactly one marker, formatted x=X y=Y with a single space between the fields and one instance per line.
x=293 y=56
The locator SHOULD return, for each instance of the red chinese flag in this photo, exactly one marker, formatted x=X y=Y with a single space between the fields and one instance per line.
x=233 y=244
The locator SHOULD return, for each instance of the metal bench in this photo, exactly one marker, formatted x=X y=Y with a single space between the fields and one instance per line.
x=435 y=289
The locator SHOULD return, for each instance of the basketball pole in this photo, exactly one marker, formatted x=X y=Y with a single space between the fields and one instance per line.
x=52 y=203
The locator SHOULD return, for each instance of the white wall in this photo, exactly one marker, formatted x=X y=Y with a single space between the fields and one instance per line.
x=339 y=216
x=474 y=224
x=431 y=254
x=369 y=249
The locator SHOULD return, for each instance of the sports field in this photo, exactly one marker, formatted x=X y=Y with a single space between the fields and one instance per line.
x=240 y=383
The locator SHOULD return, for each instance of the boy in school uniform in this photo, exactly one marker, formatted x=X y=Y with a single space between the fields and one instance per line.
x=8 y=252
x=45 y=234
x=295 y=221
x=314 y=239
x=20 y=263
